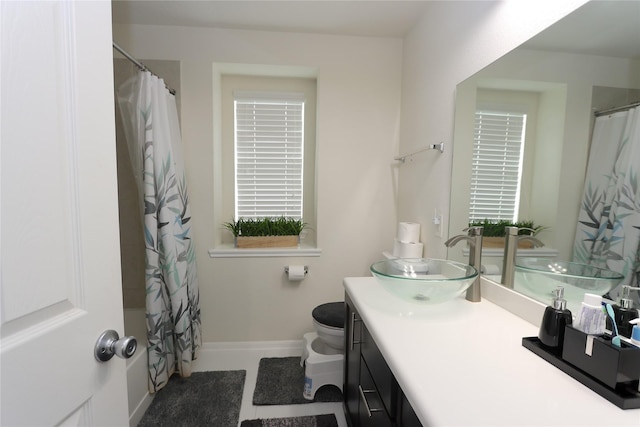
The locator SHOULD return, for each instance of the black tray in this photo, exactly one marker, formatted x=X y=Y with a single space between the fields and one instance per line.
x=625 y=398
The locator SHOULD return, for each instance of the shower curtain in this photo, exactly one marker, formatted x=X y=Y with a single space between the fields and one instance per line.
x=608 y=231
x=150 y=120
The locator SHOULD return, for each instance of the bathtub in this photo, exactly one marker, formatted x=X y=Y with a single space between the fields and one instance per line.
x=137 y=373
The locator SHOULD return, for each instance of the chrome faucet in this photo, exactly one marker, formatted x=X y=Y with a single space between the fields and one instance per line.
x=474 y=237
x=510 y=249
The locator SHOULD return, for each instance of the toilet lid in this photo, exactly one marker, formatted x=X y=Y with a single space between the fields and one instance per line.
x=330 y=314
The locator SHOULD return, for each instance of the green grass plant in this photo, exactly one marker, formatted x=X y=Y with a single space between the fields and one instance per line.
x=495 y=228
x=268 y=226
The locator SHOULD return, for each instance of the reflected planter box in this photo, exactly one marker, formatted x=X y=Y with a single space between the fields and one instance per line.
x=498 y=242
x=247 y=242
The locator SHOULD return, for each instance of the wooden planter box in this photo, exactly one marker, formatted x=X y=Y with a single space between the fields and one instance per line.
x=498 y=242
x=266 y=242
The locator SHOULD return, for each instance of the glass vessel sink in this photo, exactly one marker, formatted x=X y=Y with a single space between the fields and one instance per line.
x=538 y=277
x=424 y=280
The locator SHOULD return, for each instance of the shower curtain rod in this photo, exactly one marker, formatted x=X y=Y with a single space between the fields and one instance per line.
x=139 y=64
x=616 y=109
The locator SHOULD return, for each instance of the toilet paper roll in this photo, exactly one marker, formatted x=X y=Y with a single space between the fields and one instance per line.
x=407 y=250
x=408 y=232
x=295 y=273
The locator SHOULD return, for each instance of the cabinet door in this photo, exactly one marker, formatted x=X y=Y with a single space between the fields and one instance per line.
x=352 y=332
x=372 y=410
x=381 y=374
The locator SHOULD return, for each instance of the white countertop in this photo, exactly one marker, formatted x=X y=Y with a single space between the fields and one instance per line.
x=463 y=364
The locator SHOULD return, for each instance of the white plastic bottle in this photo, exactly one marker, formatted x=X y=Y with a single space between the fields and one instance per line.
x=591 y=319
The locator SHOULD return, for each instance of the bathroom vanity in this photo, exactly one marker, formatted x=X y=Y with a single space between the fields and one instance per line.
x=457 y=364
x=372 y=394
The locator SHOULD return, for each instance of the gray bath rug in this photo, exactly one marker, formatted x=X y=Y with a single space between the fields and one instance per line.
x=281 y=382
x=203 y=399
x=328 y=420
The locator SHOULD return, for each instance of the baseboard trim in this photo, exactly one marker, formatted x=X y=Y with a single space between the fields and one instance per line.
x=138 y=412
x=253 y=345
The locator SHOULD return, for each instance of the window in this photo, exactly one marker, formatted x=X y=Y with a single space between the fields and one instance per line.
x=269 y=154
x=497 y=165
x=264 y=177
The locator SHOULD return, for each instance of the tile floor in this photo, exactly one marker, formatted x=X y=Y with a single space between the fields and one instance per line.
x=247 y=356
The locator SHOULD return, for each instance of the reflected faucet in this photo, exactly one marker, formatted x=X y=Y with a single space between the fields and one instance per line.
x=474 y=237
x=510 y=249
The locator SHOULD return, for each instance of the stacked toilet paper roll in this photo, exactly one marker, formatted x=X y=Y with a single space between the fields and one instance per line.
x=408 y=232
x=407 y=242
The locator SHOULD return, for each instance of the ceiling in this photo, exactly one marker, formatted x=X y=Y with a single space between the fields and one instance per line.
x=380 y=18
x=610 y=28
x=607 y=28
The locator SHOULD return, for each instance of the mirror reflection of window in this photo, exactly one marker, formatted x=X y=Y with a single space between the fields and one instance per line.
x=496 y=175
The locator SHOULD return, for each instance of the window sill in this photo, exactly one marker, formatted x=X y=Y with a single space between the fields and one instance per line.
x=229 y=251
x=545 y=252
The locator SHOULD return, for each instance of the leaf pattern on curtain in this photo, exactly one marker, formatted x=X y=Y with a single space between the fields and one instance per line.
x=172 y=295
x=608 y=230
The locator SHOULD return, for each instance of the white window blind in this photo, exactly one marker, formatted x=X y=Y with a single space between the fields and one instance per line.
x=269 y=154
x=497 y=165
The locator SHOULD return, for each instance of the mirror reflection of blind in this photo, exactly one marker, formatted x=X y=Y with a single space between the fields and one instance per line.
x=497 y=165
x=269 y=150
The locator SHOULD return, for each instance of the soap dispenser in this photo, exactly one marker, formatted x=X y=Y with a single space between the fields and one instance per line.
x=624 y=312
x=554 y=320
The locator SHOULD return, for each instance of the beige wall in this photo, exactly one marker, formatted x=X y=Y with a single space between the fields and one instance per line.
x=359 y=186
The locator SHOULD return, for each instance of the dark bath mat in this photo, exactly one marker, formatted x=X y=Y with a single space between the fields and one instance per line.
x=328 y=420
x=281 y=382
x=203 y=399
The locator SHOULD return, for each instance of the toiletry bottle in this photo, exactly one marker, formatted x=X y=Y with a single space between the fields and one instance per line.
x=624 y=312
x=555 y=318
x=592 y=318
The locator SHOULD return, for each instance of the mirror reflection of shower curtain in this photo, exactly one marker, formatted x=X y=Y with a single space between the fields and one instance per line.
x=608 y=230
x=150 y=120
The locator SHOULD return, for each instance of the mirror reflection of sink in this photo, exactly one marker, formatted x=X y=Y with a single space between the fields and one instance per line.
x=538 y=277
x=424 y=280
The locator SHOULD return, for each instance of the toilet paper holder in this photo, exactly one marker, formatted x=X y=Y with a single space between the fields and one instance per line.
x=306 y=269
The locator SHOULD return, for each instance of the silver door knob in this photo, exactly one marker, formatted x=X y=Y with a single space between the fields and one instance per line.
x=109 y=344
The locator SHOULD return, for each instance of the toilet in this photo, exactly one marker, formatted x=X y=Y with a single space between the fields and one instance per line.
x=323 y=352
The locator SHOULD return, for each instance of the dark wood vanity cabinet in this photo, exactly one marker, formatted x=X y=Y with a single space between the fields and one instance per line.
x=350 y=388
x=372 y=395
x=408 y=417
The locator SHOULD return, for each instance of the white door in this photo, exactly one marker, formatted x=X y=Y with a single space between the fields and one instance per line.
x=60 y=260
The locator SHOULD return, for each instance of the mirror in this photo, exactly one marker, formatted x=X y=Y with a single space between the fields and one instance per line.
x=588 y=61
